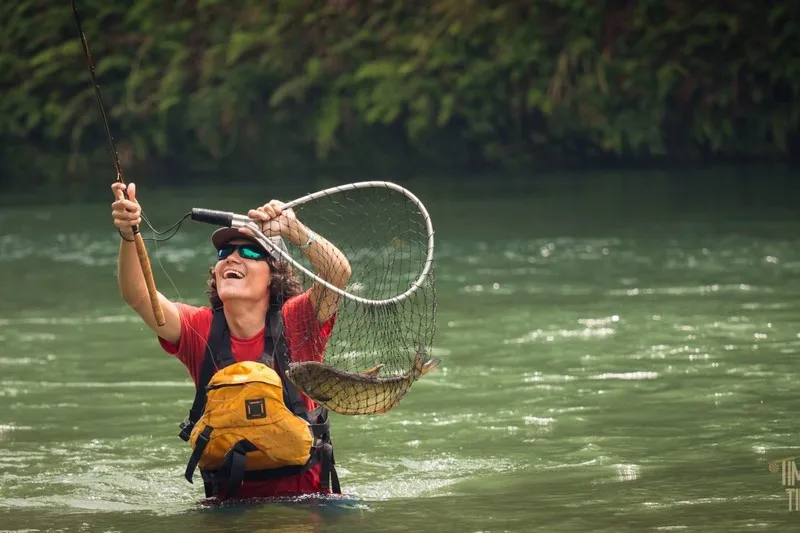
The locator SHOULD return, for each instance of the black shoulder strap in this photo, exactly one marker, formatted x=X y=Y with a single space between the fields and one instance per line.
x=218 y=355
x=218 y=347
x=275 y=347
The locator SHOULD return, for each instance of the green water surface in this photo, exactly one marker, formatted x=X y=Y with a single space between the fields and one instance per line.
x=618 y=355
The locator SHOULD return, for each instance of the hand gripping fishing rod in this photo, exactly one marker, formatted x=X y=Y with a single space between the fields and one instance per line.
x=141 y=250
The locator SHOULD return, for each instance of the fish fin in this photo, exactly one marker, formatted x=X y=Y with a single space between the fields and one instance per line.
x=372 y=372
x=391 y=405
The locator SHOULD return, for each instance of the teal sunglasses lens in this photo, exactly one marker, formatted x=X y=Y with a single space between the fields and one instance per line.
x=251 y=252
x=246 y=251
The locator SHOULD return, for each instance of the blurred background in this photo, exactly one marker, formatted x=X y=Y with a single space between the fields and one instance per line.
x=296 y=89
x=614 y=189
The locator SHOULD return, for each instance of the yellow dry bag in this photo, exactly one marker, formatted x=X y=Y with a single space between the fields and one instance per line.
x=244 y=402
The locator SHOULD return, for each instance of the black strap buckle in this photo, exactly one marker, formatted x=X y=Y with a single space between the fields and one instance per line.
x=186 y=430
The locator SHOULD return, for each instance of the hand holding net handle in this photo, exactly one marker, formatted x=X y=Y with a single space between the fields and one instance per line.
x=216 y=218
x=234 y=220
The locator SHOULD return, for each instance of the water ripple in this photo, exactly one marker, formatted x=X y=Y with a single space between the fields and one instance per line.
x=627 y=375
x=690 y=290
x=96 y=385
x=69 y=321
x=552 y=335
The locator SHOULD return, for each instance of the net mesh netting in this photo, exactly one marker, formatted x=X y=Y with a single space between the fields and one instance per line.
x=374 y=352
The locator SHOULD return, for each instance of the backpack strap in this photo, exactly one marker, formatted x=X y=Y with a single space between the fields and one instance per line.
x=200 y=447
x=328 y=478
x=275 y=347
x=218 y=355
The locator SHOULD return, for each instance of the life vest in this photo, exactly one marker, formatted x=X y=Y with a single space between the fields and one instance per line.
x=248 y=422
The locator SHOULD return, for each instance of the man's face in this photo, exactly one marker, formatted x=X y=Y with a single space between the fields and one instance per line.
x=240 y=278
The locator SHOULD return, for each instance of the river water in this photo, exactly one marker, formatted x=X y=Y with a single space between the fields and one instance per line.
x=619 y=354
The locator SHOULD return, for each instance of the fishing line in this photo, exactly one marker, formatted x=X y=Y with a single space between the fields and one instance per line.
x=176 y=226
x=158 y=236
x=385 y=308
x=112 y=146
x=141 y=249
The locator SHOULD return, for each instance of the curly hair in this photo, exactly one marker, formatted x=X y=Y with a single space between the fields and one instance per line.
x=283 y=284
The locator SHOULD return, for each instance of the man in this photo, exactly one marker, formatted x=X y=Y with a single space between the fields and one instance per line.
x=245 y=281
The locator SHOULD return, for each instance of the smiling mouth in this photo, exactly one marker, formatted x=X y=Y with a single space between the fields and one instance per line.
x=232 y=274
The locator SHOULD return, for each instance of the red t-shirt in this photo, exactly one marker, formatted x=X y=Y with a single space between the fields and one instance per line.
x=306 y=340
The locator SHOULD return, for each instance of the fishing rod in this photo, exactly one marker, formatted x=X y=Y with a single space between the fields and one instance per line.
x=141 y=250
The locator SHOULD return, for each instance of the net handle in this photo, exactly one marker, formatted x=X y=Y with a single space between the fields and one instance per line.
x=241 y=221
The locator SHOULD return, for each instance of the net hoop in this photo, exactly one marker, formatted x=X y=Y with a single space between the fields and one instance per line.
x=241 y=221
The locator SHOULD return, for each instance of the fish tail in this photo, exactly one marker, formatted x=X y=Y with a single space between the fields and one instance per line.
x=429 y=365
x=424 y=364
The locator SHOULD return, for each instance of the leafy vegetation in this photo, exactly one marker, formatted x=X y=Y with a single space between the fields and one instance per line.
x=293 y=86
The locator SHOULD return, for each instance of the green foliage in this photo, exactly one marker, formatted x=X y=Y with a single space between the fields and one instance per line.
x=327 y=83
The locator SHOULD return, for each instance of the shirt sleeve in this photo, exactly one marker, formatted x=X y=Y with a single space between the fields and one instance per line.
x=306 y=337
x=191 y=347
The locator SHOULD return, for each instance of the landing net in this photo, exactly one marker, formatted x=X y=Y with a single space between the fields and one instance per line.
x=386 y=319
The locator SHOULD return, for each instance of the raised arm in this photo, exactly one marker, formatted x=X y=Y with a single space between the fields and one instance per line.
x=129 y=273
x=329 y=262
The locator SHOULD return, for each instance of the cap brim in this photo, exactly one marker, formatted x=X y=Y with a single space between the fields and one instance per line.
x=223 y=236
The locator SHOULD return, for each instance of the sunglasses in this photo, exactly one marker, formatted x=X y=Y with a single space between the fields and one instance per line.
x=246 y=251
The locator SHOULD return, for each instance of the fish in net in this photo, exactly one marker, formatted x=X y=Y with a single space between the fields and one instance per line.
x=380 y=339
